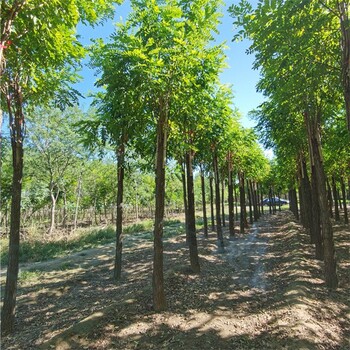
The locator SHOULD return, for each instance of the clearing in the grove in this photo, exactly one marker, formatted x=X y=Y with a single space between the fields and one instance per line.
x=265 y=292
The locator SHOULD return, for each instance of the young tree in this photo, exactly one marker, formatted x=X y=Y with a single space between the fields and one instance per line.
x=51 y=137
x=38 y=54
x=292 y=71
x=159 y=46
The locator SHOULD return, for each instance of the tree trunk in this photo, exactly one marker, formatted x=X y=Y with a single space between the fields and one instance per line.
x=315 y=224
x=329 y=198
x=223 y=202
x=159 y=300
x=345 y=49
x=335 y=199
x=301 y=191
x=231 y=215
x=243 y=216
x=279 y=203
x=343 y=192
x=307 y=196
x=119 y=221
x=53 y=208
x=254 y=201
x=192 y=239
x=212 y=203
x=293 y=204
x=17 y=131
x=77 y=201
x=261 y=201
x=330 y=266
x=220 y=238
x=250 y=203
x=236 y=201
x=204 y=205
x=310 y=211
x=137 y=209
x=270 y=201
x=184 y=192
x=65 y=212
x=339 y=199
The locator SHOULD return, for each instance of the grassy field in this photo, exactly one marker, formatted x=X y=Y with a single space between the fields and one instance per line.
x=40 y=249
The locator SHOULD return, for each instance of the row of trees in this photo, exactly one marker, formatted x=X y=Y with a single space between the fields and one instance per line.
x=302 y=50
x=161 y=102
x=162 y=113
x=39 y=56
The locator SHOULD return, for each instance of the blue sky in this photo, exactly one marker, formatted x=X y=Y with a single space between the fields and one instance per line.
x=239 y=73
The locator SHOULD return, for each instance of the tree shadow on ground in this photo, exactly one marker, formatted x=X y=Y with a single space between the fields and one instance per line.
x=82 y=308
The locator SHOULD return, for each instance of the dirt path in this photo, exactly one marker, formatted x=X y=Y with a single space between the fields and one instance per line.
x=245 y=254
x=265 y=292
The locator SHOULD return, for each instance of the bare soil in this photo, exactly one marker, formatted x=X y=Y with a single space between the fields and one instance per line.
x=265 y=292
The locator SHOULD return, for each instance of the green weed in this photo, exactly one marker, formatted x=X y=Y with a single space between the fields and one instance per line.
x=66 y=266
x=29 y=275
x=139 y=227
x=37 y=250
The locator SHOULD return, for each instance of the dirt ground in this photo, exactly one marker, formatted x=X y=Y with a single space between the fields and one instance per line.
x=265 y=292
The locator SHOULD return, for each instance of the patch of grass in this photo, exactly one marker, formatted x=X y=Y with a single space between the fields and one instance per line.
x=96 y=237
x=139 y=227
x=35 y=250
x=172 y=222
x=66 y=266
x=148 y=235
x=29 y=275
x=174 y=230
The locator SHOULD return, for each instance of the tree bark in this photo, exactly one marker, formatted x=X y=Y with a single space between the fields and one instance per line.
x=261 y=200
x=307 y=202
x=243 y=216
x=315 y=225
x=329 y=198
x=293 y=202
x=250 y=204
x=343 y=192
x=236 y=201
x=53 y=208
x=345 y=49
x=279 y=203
x=212 y=203
x=231 y=215
x=220 y=238
x=184 y=192
x=119 y=220
x=254 y=200
x=303 y=217
x=137 y=206
x=17 y=132
x=330 y=266
x=159 y=300
x=223 y=202
x=335 y=200
x=270 y=201
x=204 y=205
x=192 y=239
x=77 y=201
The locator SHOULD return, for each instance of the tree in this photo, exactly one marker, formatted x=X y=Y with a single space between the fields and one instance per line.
x=52 y=138
x=291 y=71
x=158 y=47
x=38 y=54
